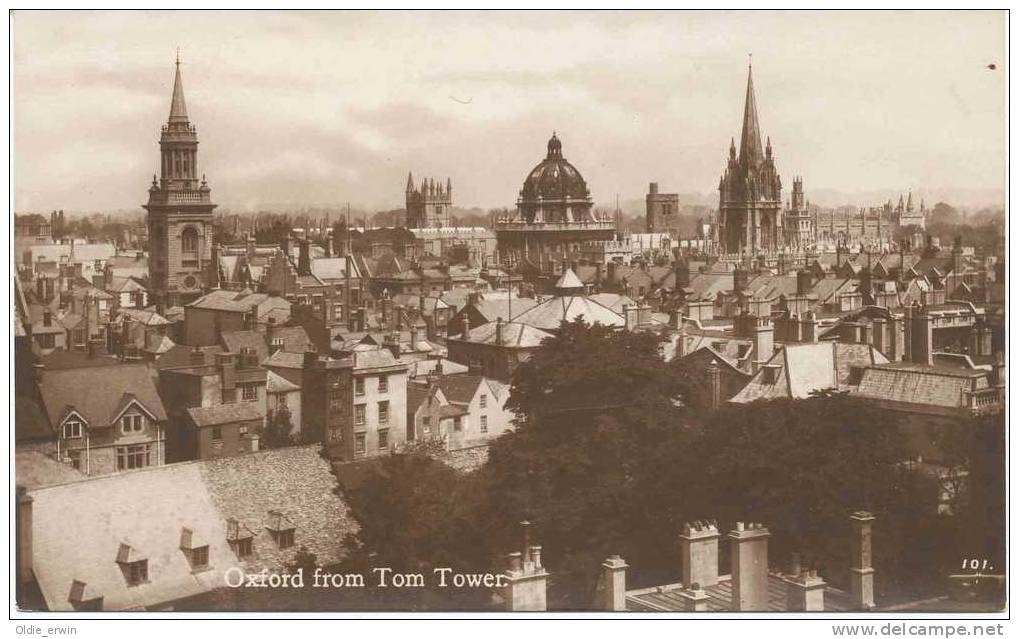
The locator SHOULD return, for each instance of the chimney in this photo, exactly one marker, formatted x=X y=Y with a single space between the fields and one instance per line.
x=304 y=258
x=804 y=591
x=498 y=331
x=920 y=336
x=466 y=321
x=196 y=357
x=894 y=352
x=880 y=335
x=23 y=532
x=626 y=318
x=270 y=335
x=810 y=327
x=714 y=385
x=699 y=553
x=764 y=340
x=749 y=566
x=804 y=282
x=682 y=269
x=249 y=247
x=525 y=579
x=227 y=370
x=861 y=574
x=614 y=583
x=740 y=278
x=47 y=317
x=413 y=338
x=40 y=289
x=310 y=360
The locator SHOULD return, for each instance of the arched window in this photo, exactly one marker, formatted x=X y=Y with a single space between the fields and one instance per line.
x=189 y=241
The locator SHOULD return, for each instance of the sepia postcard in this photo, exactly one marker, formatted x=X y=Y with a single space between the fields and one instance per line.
x=672 y=314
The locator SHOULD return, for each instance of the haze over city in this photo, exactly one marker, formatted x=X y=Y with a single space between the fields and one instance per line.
x=317 y=109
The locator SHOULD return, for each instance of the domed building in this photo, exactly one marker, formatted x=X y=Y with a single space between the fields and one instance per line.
x=553 y=216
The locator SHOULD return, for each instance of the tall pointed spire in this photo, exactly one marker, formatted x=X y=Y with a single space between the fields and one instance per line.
x=178 y=109
x=410 y=182
x=750 y=142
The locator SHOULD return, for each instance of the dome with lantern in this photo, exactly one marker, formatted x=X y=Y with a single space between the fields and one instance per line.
x=555 y=191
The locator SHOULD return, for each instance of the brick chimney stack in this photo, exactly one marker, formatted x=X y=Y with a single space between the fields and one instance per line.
x=749 y=566
x=861 y=573
x=525 y=578
x=614 y=582
x=304 y=257
x=699 y=554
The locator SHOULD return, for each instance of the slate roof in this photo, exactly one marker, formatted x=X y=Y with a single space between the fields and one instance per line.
x=332 y=268
x=99 y=393
x=613 y=301
x=204 y=416
x=295 y=338
x=148 y=318
x=935 y=386
x=118 y=509
x=234 y=341
x=549 y=314
x=667 y=599
x=801 y=369
x=423 y=367
x=493 y=309
x=284 y=359
x=460 y=388
x=379 y=358
x=569 y=280
x=277 y=384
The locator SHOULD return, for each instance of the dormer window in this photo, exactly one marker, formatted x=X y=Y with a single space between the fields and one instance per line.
x=134 y=567
x=72 y=429
x=84 y=597
x=281 y=528
x=239 y=537
x=133 y=423
x=769 y=373
x=195 y=549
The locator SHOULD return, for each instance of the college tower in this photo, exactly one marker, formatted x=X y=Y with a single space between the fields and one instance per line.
x=179 y=213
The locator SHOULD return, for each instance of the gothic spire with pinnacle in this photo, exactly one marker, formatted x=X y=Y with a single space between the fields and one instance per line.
x=750 y=141
x=178 y=108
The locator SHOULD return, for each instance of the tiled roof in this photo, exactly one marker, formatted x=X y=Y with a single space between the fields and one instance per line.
x=98 y=393
x=295 y=338
x=666 y=598
x=423 y=367
x=284 y=359
x=148 y=318
x=223 y=414
x=551 y=313
x=613 y=301
x=514 y=334
x=179 y=356
x=332 y=268
x=35 y=469
x=119 y=509
x=493 y=309
x=569 y=280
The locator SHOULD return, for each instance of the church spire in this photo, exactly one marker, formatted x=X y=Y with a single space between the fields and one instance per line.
x=178 y=109
x=750 y=142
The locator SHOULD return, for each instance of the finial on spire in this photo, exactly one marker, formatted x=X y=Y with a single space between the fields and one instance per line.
x=178 y=56
x=750 y=60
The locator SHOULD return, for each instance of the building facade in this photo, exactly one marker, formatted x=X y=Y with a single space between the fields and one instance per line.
x=662 y=212
x=179 y=212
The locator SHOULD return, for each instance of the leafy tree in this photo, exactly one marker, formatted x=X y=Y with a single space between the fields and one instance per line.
x=278 y=426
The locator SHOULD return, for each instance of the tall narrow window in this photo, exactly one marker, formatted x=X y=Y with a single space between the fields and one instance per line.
x=189 y=243
x=383 y=412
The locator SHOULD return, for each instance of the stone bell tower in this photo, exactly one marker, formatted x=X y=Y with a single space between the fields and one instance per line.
x=179 y=213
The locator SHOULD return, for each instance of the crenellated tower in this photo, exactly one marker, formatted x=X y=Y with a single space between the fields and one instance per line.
x=428 y=207
x=750 y=190
x=179 y=212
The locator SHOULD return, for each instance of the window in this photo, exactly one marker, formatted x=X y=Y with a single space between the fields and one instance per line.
x=243 y=430
x=47 y=340
x=359 y=445
x=241 y=547
x=383 y=384
x=285 y=538
x=75 y=457
x=249 y=392
x=359 y=415
x=457 y=423
x=131 y=424
x=189 y=241
x=131 y=457
x=229 y=395
x=136 y=572
x=359 y=386
x=484 y=423
x=72 y=429
x=199 y=557
x=217 y=433
x=383 y=412
x=484 y=401
x=384 y=438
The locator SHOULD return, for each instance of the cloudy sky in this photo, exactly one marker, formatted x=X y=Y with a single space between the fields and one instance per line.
x=310 y=108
